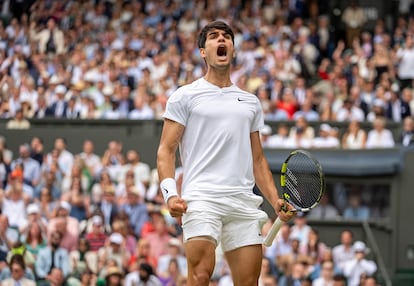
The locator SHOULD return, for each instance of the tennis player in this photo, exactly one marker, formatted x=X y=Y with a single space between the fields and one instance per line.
x=216 y=126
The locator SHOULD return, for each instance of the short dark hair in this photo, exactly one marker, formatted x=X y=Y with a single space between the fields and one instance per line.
x=220 y=25
x=17 y=259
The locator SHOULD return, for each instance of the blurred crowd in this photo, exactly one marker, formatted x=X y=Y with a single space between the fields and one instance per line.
x=89 y=219
x=101 y=218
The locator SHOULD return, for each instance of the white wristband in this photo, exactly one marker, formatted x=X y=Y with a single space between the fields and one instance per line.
x=168 y=188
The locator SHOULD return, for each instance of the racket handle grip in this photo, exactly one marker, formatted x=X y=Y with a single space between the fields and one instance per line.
x=272 y=232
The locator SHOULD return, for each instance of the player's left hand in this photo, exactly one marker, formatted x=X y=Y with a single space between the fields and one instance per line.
x=284 y=210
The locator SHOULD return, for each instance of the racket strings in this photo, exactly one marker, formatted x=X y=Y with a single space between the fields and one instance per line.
x=303 y=181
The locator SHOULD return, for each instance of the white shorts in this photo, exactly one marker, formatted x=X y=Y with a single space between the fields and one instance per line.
x=233 y=221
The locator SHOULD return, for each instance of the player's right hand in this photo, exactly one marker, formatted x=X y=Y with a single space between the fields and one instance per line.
x=284 y=210
x=177 y=206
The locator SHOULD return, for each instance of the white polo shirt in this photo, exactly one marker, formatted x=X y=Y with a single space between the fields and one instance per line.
x=215 y=149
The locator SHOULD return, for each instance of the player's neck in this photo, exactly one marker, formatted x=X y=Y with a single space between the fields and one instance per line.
x=218 y=78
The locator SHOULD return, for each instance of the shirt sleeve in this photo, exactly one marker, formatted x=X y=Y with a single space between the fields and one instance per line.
x=258 y=120
x=176 y=108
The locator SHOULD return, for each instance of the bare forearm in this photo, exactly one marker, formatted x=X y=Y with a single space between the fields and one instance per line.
x=165 y=163
x=265 y=182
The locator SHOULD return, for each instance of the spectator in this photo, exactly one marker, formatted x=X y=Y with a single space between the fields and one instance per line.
x=67 y=225
x=107 y=206
x=13 y=204
x=18 y=122
x=51 y=257
x=136 y=209
x=315 y=248
x=287 y=102
x=31 y=168
x=354 y=19
x=34 y=238
x=354 y=137
x=113 y=159
x=141 y=169
x=405 y=55
x=325 y=210
x=69 y=241
x=327 y=137
x=144 y=275
x=50 y=39
x=7 y=153
x=379 y=136
x=91 y=160
x=28 y=258
x=122 y=225
x=282 y=245
x=18 y=273
x=175 y=251
x=355 y=209
x=377 y=110
x=327 y=274
x=142 y=253
x=397 y=109
x=46 y=202
x=343 y=252
x=37 y=149
x=407 y=136
x=56 y=277
x=265 y=134
x=349 y=111
x=59 y=106
x=63 y=157
x=294 y=276
x=354 y=268
x=172 y=275
x=114 y=276
x=279 y=139
x=302 y=126
x=96 y=237
x=160 y=235
x=306 y=110
x=300 y=228
x=142 y=109
x=115 y=251
x=82 y=259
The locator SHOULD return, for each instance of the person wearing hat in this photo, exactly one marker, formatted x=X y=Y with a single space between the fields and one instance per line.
x=114 y=276
x=58 y=108
x=359 y=265
x=327 y=137
x=114 y=251
x=34 y=216
x=96 y=236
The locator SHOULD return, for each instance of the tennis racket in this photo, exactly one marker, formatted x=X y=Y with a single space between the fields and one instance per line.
x=303 y=184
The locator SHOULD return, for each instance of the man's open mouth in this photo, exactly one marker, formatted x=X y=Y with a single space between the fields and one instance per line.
x=221 y=51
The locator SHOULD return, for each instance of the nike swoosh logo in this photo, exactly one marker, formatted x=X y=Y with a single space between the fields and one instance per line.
x=165 y=190
x=239 y=99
